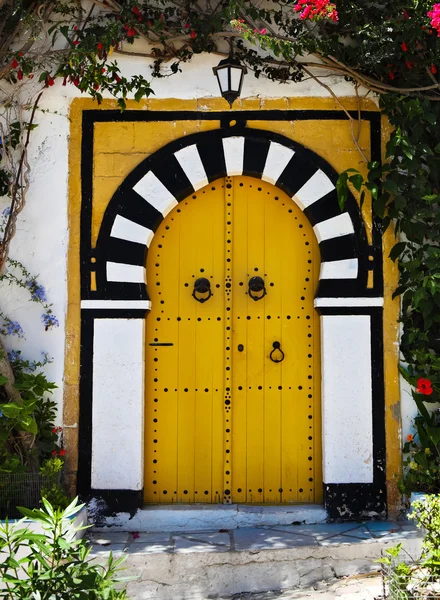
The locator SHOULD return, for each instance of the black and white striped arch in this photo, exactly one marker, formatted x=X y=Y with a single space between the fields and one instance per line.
x=179 y=169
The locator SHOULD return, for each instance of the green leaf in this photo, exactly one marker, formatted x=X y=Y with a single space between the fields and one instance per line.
x=397 y=250
x=357 y=182
x=391 y=186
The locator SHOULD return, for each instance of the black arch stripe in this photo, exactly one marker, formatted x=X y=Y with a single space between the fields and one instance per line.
x=255 y=154
x=339 y=248
x=174 y=178
x=133 y=207
x=124 y=251
x=116 y=290
x=298 y=172
x=325 y=208
x=213 y=158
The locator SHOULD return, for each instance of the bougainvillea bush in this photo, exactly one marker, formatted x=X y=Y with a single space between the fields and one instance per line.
x=388 y=50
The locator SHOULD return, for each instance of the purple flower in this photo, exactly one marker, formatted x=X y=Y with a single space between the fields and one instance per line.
x=7 y=211
x=14 y=328
x=49 y=320
x=38 y=293
x=1 y=414
x=14 y=356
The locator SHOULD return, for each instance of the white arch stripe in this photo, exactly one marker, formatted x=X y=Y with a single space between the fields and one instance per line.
x=124 y=273
x=334 y=227
x=233 y=148
x=124 y=229
x=155 y=193
x=339 y=269
x=190 y=161
x=313 y=190
x=277 y=160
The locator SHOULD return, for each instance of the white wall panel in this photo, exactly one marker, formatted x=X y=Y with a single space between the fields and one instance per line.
x=347 y=399
x=118 y=404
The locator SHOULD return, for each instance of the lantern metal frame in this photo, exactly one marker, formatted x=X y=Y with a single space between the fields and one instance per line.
x=229 y=64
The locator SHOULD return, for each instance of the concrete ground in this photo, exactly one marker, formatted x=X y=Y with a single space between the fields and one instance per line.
x=256 y=562
x=358 y=587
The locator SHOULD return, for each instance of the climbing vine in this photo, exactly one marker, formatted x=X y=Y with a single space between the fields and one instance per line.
x=388 y=50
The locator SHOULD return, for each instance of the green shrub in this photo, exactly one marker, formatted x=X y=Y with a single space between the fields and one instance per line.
x=54 y=565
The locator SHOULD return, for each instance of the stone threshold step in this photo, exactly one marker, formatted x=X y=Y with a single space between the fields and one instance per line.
x=219 y=564
x=208 y=517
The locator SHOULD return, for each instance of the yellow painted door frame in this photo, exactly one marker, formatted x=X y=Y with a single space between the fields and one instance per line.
x=233 y=381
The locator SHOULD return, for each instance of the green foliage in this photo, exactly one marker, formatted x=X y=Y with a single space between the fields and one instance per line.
x=427 y=514
x=54 y=492
x=34 y=414
x=422 y=453
x=56 y=564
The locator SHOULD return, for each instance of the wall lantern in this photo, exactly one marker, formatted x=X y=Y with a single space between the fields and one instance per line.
x=230 y=74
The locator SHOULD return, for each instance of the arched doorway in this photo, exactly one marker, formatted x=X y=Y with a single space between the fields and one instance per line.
x=233 y=408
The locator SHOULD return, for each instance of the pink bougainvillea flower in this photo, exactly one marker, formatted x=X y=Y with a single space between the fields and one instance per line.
x=434 y=15
x=315 y=10
x=19 y=74
x=14 y=63
x=54 y=452
x=424 y=386
x=135 y=535
x=263 y=31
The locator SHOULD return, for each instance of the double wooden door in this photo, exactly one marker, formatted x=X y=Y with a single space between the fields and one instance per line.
x=232 y=350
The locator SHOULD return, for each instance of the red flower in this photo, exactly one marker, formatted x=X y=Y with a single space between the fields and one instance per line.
x=187 y=26
x=433 y=69
x=405 y=14
x=131 y=32
x=62 y=452
x=424 y=386
x=136 y=10
x=404 y=47
x=135 y=535
x=19 y=74
x=99 y=46
x=409 y=437
x=54 y=452
x=96 y=86
x=31 y=76
x=263 y=31
x=409 y=64
x=193 y=34
x=391 y=75
x=14 y=63
x=76 y=43
x=54 y=430
x=49 y=81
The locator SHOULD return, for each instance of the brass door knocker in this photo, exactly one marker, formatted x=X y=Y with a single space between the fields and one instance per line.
x=202 y=290
x=277 y=355
x=256 y=288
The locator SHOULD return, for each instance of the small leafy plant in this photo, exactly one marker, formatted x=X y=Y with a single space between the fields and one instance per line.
x=54 y=564
x=407 y=578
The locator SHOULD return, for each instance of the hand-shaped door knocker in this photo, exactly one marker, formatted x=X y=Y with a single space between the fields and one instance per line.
x=256 y=288
x=202 y=290
x=277 y=355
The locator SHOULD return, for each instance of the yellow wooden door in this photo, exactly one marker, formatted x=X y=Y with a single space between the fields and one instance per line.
x=233 y=382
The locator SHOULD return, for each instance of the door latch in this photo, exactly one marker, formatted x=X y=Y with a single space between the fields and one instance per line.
x=202 y=290
x=256 y=288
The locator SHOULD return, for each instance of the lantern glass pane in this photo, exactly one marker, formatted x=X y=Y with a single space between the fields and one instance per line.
x=236 y=75
x=222 y=75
